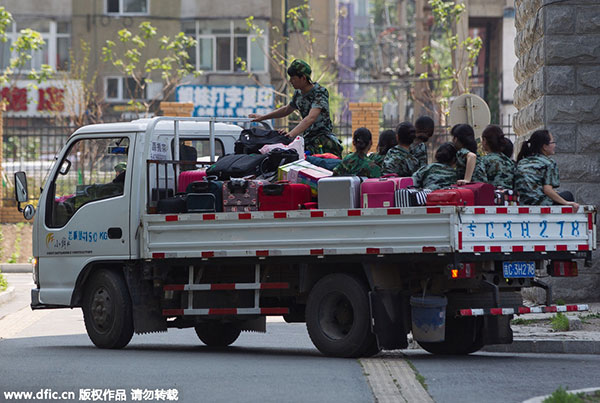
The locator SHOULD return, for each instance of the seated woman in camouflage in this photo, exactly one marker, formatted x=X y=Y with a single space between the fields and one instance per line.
x=387 y=140
x=425 y=127
x=358 y=163
x=499 y=169
x=536 y=175
x=312 y=101
x=440 y=174
x=399 y=160
x=468 y=166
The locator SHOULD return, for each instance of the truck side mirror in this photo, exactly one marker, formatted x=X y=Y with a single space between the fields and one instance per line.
x=21 y=187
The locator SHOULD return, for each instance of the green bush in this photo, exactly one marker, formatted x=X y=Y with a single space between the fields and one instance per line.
x=560 y=323
x=3 y=282
x=561 y=395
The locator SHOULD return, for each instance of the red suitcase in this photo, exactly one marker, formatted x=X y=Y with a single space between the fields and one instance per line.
x=187 y=177
x=451 y=197
x=484 y=193
x=380 y=192
x=283 y=196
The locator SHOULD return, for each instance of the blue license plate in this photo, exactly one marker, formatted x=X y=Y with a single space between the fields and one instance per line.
x=518 y=269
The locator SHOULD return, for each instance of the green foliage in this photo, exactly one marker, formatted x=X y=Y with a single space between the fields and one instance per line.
x=560 y=322
x=3 y=282
x=560 y=301
x=172 y=62
x=587 y=318
x=27 y=42
x=298 y=19
x=447 y=74
x=561 y=395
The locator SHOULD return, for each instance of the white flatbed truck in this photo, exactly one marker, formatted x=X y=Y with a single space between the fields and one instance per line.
x=348 y=273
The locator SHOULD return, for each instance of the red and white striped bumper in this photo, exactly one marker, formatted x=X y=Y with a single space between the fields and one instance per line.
x=522 y=310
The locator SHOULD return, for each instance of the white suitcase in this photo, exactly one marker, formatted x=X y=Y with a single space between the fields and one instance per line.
x=339 y=192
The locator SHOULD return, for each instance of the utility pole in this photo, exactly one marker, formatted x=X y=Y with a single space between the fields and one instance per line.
x=423 y=22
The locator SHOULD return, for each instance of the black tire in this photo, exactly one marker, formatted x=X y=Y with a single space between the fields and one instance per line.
x=107 y=310
x=465 y=335
x=217 y=334
x=338 y=316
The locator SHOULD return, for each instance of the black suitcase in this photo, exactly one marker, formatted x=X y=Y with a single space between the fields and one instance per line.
x=253 y=139
x=209 y=186
x=200 y=203
x=409 y=197
x=176 y=204
x=237 y=166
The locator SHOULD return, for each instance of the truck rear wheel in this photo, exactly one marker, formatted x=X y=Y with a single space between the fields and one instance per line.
x=217 y=334
x=337 y=317
x=107 y=310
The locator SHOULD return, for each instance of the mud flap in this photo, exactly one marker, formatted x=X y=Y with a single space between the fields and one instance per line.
x=389 y=318
x=496 y=330
x=147 y=313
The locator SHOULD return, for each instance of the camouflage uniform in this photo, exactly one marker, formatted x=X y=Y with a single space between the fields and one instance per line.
x=377 y=158
x=352 y=164
x=531 y=174
x=419 y=151
x=399 y=161
x=318 y=138
x=435 y=176
x=461 y=165
x=499 y=169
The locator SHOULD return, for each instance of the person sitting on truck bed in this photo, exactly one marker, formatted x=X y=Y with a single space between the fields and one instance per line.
x=399 y=160
x=499 y=169
x=358 y=163
x=312 y=101
x=387 y=140
x=440 y=174
x=424 y=126
x=536 y=175
x=468 y=166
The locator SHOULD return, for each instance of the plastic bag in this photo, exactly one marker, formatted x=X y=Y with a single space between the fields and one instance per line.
x=297 y=144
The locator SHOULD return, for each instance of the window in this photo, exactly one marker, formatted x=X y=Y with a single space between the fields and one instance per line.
x=197 y=150
x=93 y=169
x=122 y=89
x=222 y=45
x=55 y=53
x=127 y=7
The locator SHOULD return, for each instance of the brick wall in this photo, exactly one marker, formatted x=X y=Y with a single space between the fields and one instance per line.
x=178 y=109
x=366 y=114
x=558 y=77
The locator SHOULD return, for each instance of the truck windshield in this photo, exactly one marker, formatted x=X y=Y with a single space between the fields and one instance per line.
x=98 y=171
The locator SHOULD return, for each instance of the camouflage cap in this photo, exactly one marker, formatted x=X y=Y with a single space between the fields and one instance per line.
x=301 y=67
x=121 y=166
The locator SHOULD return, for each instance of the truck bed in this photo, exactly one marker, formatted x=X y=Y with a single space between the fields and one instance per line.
x=412 y=230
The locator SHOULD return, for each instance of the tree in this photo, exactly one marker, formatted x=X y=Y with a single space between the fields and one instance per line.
x=448 y=73
x=27 y=42
x=172 y=62
x=324 y=71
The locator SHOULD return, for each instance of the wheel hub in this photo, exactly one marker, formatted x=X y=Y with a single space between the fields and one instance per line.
x=336 y=316
x=102 y=307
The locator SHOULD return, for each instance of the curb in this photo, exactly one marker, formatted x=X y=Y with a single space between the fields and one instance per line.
x=540 y=399
x=16 y=268
x=547 y=347
x=7 y=295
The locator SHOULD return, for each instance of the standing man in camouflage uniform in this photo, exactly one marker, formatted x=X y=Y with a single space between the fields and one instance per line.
x=424 y=127
x=358 y=163
x=440 y=174
x=312 y=101
x=399 y=160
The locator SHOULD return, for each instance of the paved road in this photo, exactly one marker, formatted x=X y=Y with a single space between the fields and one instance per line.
x=505 y=377
x=49 y=349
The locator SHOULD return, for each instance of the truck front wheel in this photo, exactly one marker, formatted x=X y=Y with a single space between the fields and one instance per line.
x=107 y=310
x=217 y=334
x=337 y=317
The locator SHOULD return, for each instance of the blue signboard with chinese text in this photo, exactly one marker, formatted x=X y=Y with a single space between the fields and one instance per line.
x=227 y=100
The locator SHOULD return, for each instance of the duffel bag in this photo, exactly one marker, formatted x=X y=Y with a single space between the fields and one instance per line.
x=237 y=166
x=253 y=139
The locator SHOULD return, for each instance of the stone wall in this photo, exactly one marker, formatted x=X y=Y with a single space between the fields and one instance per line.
x=558 y=77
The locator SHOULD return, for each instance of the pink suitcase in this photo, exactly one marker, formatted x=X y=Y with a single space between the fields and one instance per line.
x=380 y=192
x=187 y=177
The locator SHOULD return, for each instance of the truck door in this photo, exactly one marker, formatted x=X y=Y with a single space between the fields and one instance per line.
x=85 y=214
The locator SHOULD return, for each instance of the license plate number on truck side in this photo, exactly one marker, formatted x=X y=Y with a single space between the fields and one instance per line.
x=518 y=269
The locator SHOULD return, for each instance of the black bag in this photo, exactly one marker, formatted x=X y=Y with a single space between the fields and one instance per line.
x=201 y=203
x=214 y=188
x=276 y=158
x=252 y=140
x=236 y=166
x=175 y=204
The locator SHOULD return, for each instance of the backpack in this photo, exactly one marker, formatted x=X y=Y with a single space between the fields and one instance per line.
x=253 y=139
